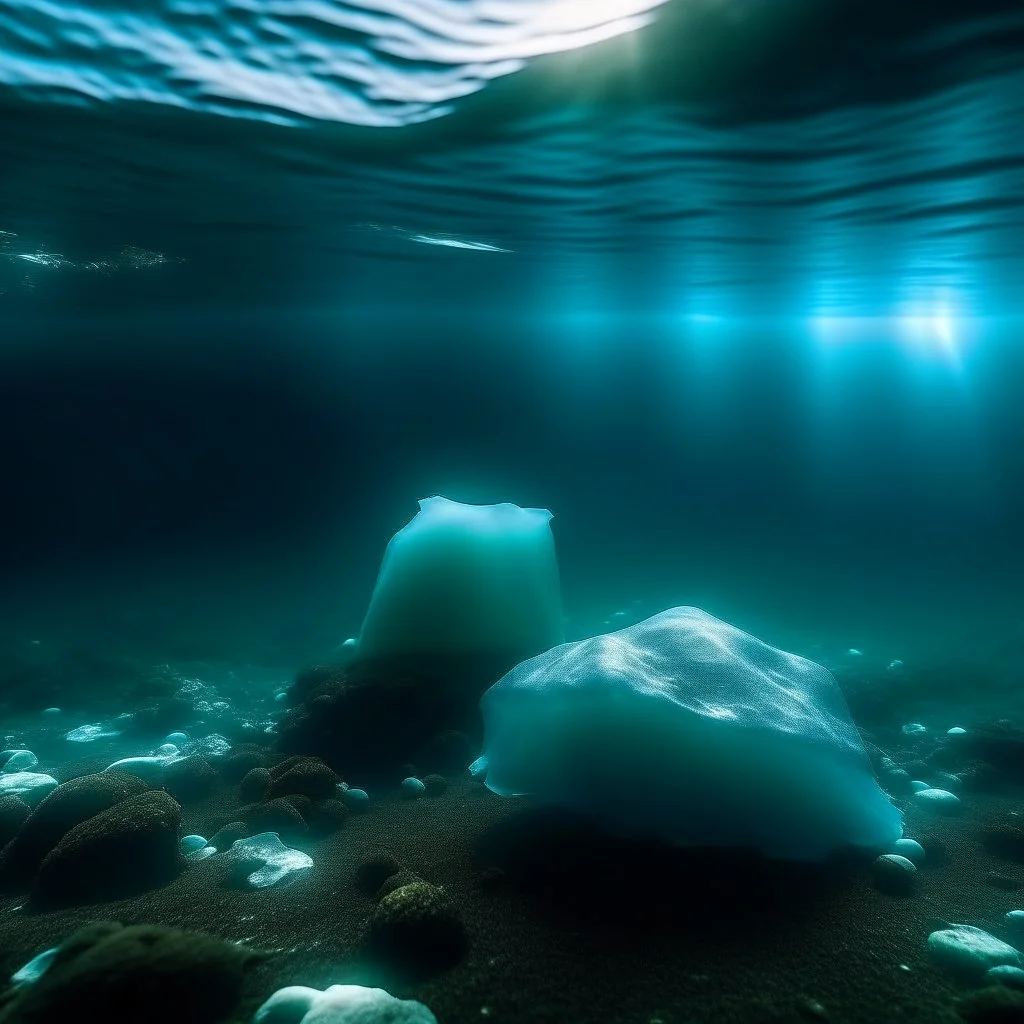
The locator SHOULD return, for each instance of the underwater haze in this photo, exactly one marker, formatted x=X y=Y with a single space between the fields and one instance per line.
x=734 y=288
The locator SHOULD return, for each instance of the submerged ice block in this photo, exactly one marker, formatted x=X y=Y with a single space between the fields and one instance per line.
x=466 y=579
x=687 y=729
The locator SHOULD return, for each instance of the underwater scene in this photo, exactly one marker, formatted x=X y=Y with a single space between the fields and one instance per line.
x=513 y=511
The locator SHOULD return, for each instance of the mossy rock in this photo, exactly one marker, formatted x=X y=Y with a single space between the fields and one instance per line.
x=113 y=973
x=14 y=812
x=275 y=816
x=127 y=849
x=191 y=778
x=415 y=928
x=254 y=785
x=306 y=776
x=67 y=806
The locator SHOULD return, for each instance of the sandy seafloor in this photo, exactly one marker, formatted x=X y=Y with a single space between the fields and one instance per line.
x=582 y=929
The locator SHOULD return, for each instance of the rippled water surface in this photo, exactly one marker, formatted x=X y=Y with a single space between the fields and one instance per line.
x=714 y=158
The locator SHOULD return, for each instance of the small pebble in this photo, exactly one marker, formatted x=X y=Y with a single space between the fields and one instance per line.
x=956 y=731
x=412 y=788
x=914 y=729
x=356 y=799
x=909 y=848
x=894 y=874
x=178 y=739
x=51 y=712
x=918 y=786
x=190 y=843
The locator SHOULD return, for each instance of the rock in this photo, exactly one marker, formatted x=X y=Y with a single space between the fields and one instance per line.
x=263 y=860
x=939 y=801
x=129 y=848
x=435 y=784
x=326 y=817
x=910 y=849
x=67 y=806
x=229 y=834
x=242 y=759
x=968 y=950
x=17 y=761
x=91 y=733
x=894 y=874
x=301 y=803
x=396 y=881
x=254 y=785
x=189 y=844
x=30 y=786
x=340 y=1004
x=190 y=778
x=139 y=973
x=416 y=929
x=357 y=800
x=275 y=816
x=412 y=788
x=308 y=776
x=375 y=869
x=14 y=812
x=1006 y=975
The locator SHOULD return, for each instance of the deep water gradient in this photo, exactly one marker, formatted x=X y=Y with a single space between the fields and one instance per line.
x=736 y=305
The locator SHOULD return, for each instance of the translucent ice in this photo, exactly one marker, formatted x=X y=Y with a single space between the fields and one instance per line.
x=685 y=728
x=271 y=861
x=466 y=579
x=340 y=1004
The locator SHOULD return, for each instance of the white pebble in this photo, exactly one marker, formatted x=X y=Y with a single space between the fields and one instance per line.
x=854 y=653
x=895 y=665
x=941 y=801
x=963 y=947
x=956 y=731
x=51 y=712
x=914 y=729
x=918 y=786
x=178 y=739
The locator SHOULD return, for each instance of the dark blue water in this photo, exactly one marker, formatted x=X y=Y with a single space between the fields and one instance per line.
x=734 y=292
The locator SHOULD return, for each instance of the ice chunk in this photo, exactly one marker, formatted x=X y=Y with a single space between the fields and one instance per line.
x=340 y=1004
x=149 y=769
x=271 y=861
x=686 y=728
x=462 y=579
x=30 y=786
x=90 y=733
x=35 y=968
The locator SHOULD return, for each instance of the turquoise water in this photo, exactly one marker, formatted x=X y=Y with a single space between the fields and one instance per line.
x=730 y=287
